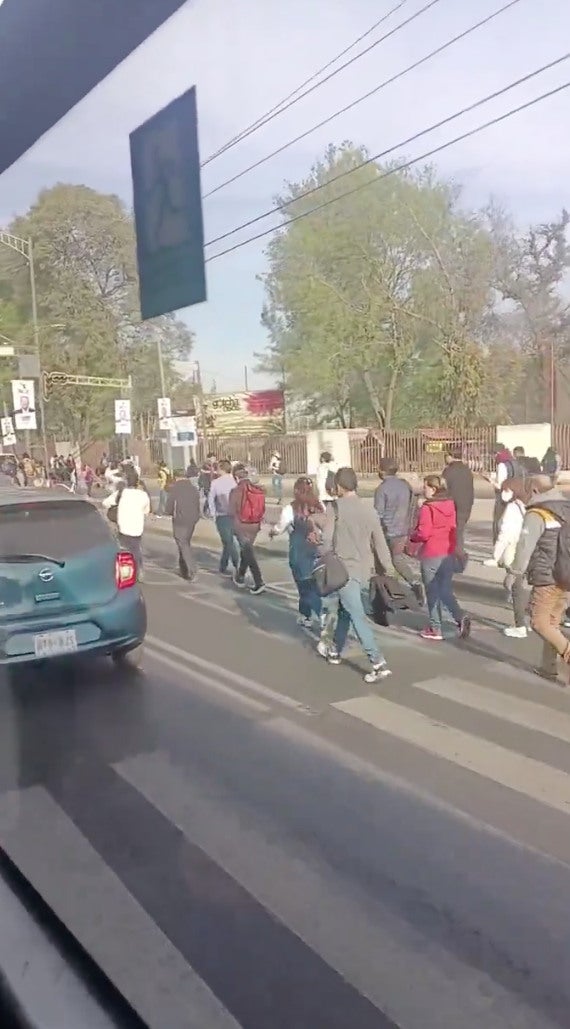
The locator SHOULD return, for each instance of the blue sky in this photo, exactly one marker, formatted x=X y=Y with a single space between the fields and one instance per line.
x=245 y=57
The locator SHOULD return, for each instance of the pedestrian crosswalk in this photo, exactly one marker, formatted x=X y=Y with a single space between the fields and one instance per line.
x=204 y=912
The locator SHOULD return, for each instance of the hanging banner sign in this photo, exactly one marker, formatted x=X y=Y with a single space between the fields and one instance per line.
x=164 y=413
x=24 y=401
x=122 y=417
x=231 y=414
x=8 y=434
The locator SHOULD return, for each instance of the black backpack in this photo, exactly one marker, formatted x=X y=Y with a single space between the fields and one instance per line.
x=516 y=469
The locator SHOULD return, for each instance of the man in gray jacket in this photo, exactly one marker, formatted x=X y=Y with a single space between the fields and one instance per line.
x=397 y=509
x=353 y=531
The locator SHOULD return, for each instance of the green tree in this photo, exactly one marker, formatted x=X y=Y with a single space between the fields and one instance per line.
x=379 y=303
x=85 y=263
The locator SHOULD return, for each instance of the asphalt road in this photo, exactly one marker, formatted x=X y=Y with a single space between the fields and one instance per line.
x=244 y=836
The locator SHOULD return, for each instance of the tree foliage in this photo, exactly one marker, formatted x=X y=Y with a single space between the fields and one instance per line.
x=385 y=306
x=85 y=266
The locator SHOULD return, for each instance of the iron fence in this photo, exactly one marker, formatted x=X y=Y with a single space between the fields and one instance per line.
x=258 y=450
x=422 y=450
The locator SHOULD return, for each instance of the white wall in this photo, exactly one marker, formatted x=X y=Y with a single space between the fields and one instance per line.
x=535 y=439
x=336 y=441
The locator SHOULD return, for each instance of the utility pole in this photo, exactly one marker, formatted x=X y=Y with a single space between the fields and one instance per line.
x=37 y=352
x=245 y=378
x=163 y=394
x=197 y=376
x=24 y=248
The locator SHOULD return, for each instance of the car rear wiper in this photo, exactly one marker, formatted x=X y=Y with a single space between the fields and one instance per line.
x=15 y=558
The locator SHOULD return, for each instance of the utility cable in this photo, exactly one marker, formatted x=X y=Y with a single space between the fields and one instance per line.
x=393 y=171
x=397 y=146
x=307 y=82
x=331 y=75
x=365 y=96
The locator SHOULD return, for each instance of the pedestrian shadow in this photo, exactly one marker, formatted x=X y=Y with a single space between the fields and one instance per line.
x=271 y=614
x=491 y=653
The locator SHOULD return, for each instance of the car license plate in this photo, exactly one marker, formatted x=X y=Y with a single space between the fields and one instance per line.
x=50 y=644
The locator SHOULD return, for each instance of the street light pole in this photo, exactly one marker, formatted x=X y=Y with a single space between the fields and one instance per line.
x=163 y=393
x=38 y=353
x=25 y=249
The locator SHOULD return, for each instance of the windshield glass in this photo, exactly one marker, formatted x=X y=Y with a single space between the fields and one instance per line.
x=53 y=528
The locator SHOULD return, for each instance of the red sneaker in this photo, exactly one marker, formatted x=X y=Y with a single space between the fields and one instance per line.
x=431 y=634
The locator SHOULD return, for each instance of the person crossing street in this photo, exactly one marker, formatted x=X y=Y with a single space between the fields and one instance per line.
x=218 y=508
x=247 y=509
x=183 y=505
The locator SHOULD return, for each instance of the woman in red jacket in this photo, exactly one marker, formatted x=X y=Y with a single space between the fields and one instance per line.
x=436 y=532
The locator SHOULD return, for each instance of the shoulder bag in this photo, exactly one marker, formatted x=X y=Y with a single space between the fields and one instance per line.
x=330 y=574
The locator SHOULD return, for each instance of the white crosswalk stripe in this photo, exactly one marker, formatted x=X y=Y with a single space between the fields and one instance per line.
x=525 y=775
x=59 y=861
x=311 y=900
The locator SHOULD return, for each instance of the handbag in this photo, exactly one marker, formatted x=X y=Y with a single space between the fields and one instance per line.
x=329 y=574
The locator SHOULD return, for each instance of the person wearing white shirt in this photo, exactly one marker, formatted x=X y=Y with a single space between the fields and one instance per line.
x=133 y=504
x=327 y=466
x=509 y=532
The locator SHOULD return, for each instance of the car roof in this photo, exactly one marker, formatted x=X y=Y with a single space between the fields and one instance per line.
x=18 y=495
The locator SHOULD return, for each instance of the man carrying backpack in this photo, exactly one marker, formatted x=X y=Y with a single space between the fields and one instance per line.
x=543 y=554
x=247 y=509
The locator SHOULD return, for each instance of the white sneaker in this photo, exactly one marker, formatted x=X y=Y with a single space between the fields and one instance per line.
x=516 y=632
x=377 y=672
x=305 y=623
x=323 y=648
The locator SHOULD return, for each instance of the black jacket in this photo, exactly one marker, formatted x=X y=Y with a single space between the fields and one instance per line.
x=459 y=481
x=183 y=503
x=541 y=564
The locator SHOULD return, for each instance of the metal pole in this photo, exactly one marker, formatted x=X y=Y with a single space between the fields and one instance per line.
x=38 y=354
x=552 y=383
x=163 y=393
x=202 y=411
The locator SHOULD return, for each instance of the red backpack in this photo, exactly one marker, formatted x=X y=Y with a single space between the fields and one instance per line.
x=252 y=510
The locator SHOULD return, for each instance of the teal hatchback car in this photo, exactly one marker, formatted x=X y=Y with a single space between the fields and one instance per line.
x=65 y=587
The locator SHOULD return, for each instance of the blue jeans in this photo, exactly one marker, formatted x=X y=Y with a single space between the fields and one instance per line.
x=351 y=609
x=437 y=577
x=230 y=551
x=277 y=485
x=309 y=600
x=162 y=497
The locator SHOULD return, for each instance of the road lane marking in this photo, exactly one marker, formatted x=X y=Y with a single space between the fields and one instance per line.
x=517 y=711
x=245 y=683
x=199 y=599
x=115 y=930
x=525 y=775
x=311 y=900
x=206 y=680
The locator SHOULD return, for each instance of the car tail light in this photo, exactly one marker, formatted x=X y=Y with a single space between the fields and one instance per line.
x=125 y=570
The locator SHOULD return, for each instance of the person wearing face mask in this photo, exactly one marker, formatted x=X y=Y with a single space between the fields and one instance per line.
x=515 y=494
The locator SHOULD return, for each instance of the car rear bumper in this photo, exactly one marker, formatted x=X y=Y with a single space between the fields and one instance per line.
x=118 y=625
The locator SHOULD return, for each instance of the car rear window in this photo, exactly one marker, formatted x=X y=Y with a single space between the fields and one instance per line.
x=55 y=528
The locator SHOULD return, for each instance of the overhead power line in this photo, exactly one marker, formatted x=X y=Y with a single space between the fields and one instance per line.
x=397 y=146
x=366 y=96
x=317 y=85
x=307 y=82
x=395 y=170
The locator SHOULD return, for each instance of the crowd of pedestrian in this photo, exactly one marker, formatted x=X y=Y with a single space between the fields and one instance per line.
x=409 y=548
